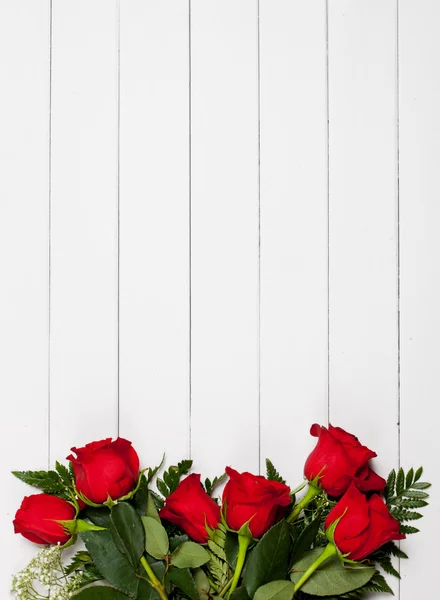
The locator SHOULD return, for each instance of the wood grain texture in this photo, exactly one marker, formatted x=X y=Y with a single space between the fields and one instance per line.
x=154 y=217
x=224 y=246
x=293 y=230
x=24 y=262
x=84 y=232
x=419 y=95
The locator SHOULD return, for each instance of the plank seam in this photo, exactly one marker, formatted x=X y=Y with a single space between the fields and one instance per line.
x=398 y=250
x=49 y=349
x=327 y=91
x=190 y=228
x=118 y=203
x=259 y=235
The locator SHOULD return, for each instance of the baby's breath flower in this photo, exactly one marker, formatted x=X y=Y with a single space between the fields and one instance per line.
x=45 y=573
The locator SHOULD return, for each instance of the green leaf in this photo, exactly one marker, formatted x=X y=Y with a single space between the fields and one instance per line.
x=418 y=474
x=387 y=566
x=240 y=594
x=140 y=498
x=269 y=560
x=421 y=485
x=211 y=485
x=100 y=592
x=79 y=560
x=162 y=487
x=415 y=494
x=156 y=538
x=176 y=540
x=275 y=590
x=183 y=579
x=409 y=478
x=400 y=482
x=64 y=474
x=151 y=509
x=202 y=584
x=189 y=555
x=110 y=562
x=331 y=578
x=128 y=532
x=408 y=529
x=271 y=473
x=231 y=548
x=184 y=466
x=48 y=482
x=146 y=591
x=305 y=539
x=98 y=516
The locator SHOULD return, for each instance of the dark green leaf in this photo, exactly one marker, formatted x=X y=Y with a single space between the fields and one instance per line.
x=176 y=540
x=387 y=566
x=49 y=482
x=184 y=466
x=305 y=539
x=162 y=487
x=100 y=593
x=183 y=579
x=78 y=561
x=128 y=532
x=421 y=485
x=151 y=508
x=331 y=578
x=418 y=474
x=140 y=499
x=64 y=474
x=415 y=494
x=391 y=482
x=110 y=562
x=400 y=482
x=210 y=486
x=231 y=548
x=271 y=473
x=146 y=591
x=269 y=560
x=408 y=529
x=240 y=594
x=409 y=478
x=98 y=516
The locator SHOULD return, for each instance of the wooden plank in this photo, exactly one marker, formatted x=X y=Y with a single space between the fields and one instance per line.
x=293 y=230
x=24 y=261
x=154 y=217
x=363 y=224
x=84 y=235
x=419 y=273
x=224 y=282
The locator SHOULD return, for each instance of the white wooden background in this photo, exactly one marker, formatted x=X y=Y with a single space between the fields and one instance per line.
x=219 y=223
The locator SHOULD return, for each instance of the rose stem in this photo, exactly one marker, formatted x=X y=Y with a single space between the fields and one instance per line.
x=243 y=543
x=311 y=493
x=153 y=579
x=329 y=551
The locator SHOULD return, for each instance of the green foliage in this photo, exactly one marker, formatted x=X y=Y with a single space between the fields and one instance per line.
x=100 y=593
x=189 y=555
x=404 y=493
x=56 y=483
x=331 y=577
x=211 y=485
x=271 y=473
x=127 y=531
x=376 y=584
x=156 y=538
x=305 y=539
x=218 y=567
x=269 y=560
x=171 y=478
x=78 y=561
x=184 y=581
x=275 y=590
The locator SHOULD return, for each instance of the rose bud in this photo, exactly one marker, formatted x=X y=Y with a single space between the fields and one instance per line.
x=336 y=459
x=105 y=469
x=365 y=524
x=254 y=498
x=37 y=517
x=367 y=480
x=191 y=508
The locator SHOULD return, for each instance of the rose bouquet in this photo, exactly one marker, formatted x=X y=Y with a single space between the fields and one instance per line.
x=177 y=542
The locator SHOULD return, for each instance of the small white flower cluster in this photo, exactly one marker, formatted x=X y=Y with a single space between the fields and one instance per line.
x=45 y=572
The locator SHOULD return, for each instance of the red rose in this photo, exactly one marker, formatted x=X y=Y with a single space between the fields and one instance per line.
x=365 y=524
x=36 y=519
x=105 y=468
x=255 y=498
x=337 y=457
x=191 y=509
x=367 y=480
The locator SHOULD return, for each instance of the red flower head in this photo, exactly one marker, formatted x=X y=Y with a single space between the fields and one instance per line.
x=365 y=524
x=104 y=469
x=37 y=517
x=338 y=458
x=191 y=509
x=255 y=498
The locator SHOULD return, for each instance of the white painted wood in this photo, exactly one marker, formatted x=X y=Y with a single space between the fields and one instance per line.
x=293 y=230
x=154 y=226
x=224 y=273
x=362 y=220
x=419 y=274
x=24 y=242
x=83 y=224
